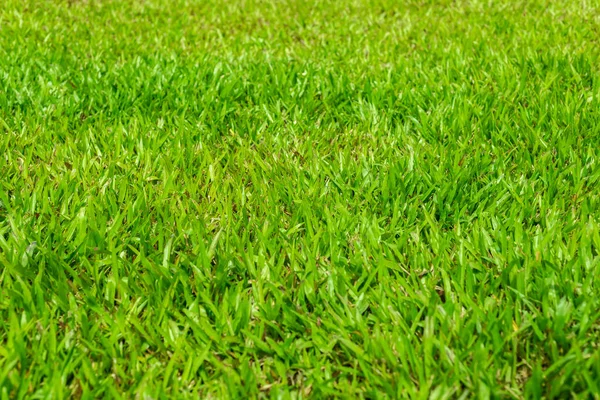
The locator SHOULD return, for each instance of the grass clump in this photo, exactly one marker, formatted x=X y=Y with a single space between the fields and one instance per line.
x=286 y=199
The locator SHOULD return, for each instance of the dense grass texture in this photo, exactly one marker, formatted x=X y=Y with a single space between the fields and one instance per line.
x=294 y=199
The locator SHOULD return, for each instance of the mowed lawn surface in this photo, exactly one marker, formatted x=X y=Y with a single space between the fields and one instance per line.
x=292 y=199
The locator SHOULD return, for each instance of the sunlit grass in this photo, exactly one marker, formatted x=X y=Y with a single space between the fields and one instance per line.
x=296 y=199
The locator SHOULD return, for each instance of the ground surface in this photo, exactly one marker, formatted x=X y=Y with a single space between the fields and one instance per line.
x=299 y=198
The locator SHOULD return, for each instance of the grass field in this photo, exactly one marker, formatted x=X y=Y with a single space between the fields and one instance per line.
x=294 y=199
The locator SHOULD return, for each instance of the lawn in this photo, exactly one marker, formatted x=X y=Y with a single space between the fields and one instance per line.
x=299 y=199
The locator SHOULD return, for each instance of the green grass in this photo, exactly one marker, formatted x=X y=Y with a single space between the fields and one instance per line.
x=292 y=199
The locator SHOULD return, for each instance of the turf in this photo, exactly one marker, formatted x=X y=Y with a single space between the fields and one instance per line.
x=292 y=199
